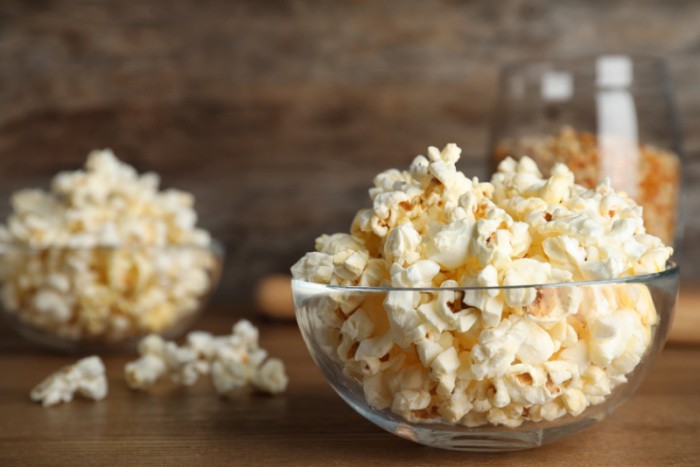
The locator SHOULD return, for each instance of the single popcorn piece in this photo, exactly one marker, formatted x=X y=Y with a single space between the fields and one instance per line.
x=104 y=254
x=445 y=343
x=235 y=362
x=85 y=378
x=271 y=377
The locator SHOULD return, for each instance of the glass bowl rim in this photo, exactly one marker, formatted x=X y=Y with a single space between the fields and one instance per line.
x=215 y=246
x=671 y=270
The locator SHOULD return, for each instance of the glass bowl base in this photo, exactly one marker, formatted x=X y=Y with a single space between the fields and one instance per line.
x=458 y=438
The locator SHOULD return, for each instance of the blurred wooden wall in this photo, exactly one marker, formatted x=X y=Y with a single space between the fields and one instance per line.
x=276 y=114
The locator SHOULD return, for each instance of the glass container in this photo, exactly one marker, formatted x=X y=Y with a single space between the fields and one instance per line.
x=403 y=385
x=609 y=116
x=93 y=299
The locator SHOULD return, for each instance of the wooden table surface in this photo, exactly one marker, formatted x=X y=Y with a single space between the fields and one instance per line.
x=309 y=424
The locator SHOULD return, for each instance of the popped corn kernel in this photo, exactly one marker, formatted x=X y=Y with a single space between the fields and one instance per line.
x=86 y=378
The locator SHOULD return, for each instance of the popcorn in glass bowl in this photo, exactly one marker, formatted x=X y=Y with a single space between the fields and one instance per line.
x=486 y=315
x=103 y=258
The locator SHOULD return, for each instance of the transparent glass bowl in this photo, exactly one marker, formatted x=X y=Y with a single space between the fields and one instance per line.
x=105 y=298
x=323 y=313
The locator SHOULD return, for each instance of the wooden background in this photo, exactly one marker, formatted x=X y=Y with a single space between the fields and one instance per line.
x=276 y=114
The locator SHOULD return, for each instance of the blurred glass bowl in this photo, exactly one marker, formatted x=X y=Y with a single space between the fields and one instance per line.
x=105 y=298
x=321 y=311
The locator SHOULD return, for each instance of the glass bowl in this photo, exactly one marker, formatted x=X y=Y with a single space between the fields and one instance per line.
x=510 y=389
x=105 y=298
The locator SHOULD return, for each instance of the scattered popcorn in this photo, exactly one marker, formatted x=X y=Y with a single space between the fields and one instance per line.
x=104 y=255
x=86 y=378
x=235 y=362
x=498 y=356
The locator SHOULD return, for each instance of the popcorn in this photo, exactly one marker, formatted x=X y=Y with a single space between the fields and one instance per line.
x=449 y=246
x=420 y=274
x=552 y=304
x=235 y=362
x=537 y=345
x=575 y=401
x=358 y=326
x=104 y=254
x=402 y=244
x=655 y=183
x=468 y=334
x=85 y=378
x=271 y=377
x=526 y=271
x=410 y=400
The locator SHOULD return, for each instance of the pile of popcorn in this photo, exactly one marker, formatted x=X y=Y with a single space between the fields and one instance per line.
x=486 y=356
x=104 y=254
x=649 y=174
x=235 y=362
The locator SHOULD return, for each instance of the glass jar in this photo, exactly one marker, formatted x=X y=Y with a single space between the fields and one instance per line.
x=609 y=116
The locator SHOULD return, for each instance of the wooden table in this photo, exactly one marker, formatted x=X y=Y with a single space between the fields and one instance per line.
x=309 y=424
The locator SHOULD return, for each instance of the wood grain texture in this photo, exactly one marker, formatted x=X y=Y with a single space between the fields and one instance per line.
x=685 y=328
x=309 y=424
x=277 y=114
